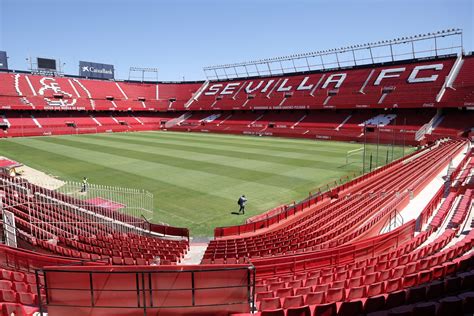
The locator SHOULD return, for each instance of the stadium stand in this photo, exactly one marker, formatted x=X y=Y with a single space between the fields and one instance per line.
x=44 y=219
x=428 y=270
x=341 y=89
x=348 y=273
x=326 y=105
x=321 y=228
x=322 y=256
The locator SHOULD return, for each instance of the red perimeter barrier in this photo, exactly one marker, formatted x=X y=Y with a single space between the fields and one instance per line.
x=169 y=230
x=149 y=290
x=24 y=260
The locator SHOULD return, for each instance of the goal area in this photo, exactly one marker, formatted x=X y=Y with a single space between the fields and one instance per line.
x=354 y=155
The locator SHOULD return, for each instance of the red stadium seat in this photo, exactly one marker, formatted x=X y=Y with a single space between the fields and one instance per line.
x=314 y=298
x=395 y=299
x=374 y=303
x=6 y=275
x=7 y=296
x=298 y=311
x=27 y=299
x=451 y=305
x=6 y=285
x=274 y=312
x=21 y=287
x=261 y=295
x=293 y=301
x=281 y=293
x=303 y=290
x=270 y=303
x=335 y=295
x=329 y=309
x=350 y=308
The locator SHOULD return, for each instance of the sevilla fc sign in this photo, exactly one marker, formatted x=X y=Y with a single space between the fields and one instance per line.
x=380 y=77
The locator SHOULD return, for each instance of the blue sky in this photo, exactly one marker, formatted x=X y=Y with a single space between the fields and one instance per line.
x=180 y=37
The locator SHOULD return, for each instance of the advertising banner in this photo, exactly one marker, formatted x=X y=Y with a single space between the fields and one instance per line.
x=96 y=70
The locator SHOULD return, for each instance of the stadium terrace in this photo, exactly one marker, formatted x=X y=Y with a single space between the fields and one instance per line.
x=391 y=233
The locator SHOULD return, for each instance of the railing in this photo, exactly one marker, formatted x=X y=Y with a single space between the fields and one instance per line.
x=28 y=261
x=149 y=290
x=435 y=201
x=425 y=129
x=108 y=219
x=429 y=209
x=461 y=165
x=276 y=210
x=337 y=255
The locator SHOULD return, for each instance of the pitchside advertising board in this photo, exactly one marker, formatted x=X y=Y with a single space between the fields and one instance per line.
x=3 y=60
x=96 y=70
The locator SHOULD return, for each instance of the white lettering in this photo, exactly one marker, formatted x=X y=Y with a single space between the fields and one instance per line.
x=229 y=89
x=282 y=87
x=270 y=82
x=338 y=82
x=385 y=74
x=302 y=86
x=249 y=89
x=413 y=76
x=214 y=89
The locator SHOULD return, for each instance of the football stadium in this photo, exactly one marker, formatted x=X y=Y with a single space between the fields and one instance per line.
x=335 y=181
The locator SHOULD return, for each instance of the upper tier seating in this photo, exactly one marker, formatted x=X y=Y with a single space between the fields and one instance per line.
x=410 y=84
x=463 y=92
x=414 y=84
x=26 y=91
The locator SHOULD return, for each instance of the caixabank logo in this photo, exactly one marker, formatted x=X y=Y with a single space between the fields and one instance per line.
x=96 y=70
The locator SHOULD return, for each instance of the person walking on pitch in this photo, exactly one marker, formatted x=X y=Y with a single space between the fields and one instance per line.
x=241 y=202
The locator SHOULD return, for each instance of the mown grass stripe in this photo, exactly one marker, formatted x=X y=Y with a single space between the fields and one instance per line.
x=251 y=155
x=274 y=151
x=207 y=168
x=208 y=155
x=176 y=175
x=310 y=146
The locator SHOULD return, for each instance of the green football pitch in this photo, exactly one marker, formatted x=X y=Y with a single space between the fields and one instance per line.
x=197 y=178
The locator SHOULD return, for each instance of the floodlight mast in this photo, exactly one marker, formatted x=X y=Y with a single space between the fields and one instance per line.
x=143 y=71
x=316 y=61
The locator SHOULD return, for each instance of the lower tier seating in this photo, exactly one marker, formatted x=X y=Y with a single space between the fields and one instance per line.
x=391 y=126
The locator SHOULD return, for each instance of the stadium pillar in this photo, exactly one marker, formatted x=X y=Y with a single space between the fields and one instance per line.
x=393 y=136
x=378 y=141
x=404 y=124
x=370 y=163
x=365 y=141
